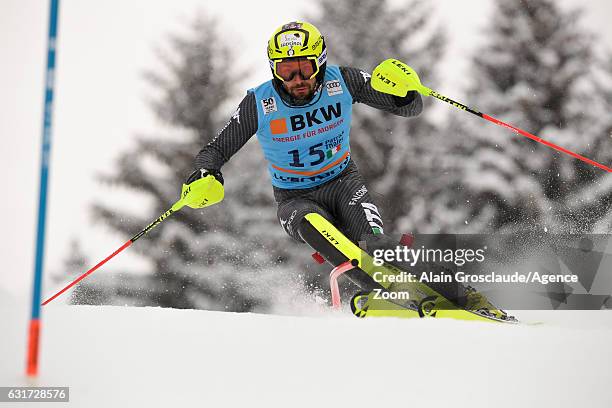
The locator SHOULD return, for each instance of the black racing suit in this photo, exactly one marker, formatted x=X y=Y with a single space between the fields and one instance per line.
x=344 y=200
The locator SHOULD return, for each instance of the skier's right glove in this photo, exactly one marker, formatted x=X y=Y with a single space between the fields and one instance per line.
x=203 y=188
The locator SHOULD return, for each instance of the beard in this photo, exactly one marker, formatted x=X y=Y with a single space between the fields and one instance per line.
x=302 y=91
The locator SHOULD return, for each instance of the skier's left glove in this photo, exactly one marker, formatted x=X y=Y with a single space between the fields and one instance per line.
x=396 y=78
x=203 y=188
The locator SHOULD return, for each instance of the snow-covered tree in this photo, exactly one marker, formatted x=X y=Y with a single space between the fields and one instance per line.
x=222 y=257
x=393 y=154
x=74 y=264
x=594 y=200
x=534 y=71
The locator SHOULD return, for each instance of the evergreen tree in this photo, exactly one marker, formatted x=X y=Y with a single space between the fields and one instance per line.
x=222 y=257
x=594 y=200
x=393 y=154
x=535 y=71
x=74 y=265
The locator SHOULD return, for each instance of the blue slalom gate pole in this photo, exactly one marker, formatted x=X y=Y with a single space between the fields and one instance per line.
x=34 y=328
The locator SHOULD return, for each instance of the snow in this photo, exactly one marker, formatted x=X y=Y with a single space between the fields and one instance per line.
x=153 y=357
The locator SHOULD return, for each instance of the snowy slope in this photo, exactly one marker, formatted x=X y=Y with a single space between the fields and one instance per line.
x=152 y=357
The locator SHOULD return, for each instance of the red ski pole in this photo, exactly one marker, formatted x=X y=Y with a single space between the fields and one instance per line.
x=177 y=206
x=396 y=78
x=517 y=130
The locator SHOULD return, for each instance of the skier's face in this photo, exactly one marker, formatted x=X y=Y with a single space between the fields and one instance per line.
x=298 y=77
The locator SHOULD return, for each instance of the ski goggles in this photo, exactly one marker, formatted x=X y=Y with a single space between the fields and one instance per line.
x=286 y=70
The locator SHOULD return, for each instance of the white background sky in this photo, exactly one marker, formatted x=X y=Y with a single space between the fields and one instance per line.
x=100 y=103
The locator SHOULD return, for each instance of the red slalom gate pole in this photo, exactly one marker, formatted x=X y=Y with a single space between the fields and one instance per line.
x=177 y=206
x=491 y=119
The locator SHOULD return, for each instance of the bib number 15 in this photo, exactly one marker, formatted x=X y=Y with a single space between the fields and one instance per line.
x=315 y=151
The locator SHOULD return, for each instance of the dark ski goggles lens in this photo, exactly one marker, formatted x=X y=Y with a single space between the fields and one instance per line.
x=288 y=69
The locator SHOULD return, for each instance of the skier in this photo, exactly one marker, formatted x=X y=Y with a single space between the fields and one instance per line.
x=302 y=119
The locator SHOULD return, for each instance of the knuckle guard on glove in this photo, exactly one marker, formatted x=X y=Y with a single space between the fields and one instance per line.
x=396 y=78
x=203 y=189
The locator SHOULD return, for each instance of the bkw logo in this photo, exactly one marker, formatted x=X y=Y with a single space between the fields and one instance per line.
x=316 y=117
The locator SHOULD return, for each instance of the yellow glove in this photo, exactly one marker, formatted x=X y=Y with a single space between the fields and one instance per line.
x=203 y=189
x=396 y=78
